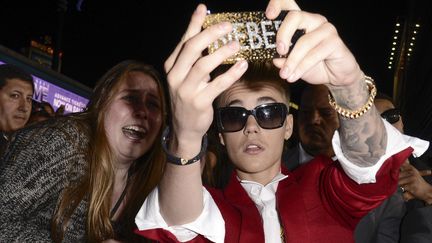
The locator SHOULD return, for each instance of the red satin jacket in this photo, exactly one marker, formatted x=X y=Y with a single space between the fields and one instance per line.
x=318 y=202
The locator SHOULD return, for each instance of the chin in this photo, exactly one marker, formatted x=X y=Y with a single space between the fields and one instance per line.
x=255 y=166
x=248 y=166
x=133 y=154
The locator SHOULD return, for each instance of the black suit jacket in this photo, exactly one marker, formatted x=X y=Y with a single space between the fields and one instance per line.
x=417 y=226
x=396 y=220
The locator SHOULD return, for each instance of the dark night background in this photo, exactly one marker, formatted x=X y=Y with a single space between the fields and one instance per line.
x=102 y=34
x=106 y=32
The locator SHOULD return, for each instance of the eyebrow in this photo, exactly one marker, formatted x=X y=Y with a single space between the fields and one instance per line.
x=18 y=91
x=260 y=100
x=154 y=96
x=129 y=91
x=138 y=91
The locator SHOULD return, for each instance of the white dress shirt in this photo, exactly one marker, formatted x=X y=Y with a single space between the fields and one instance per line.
x=264 y=198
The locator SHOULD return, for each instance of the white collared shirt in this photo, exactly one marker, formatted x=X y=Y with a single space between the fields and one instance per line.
x=264 y=198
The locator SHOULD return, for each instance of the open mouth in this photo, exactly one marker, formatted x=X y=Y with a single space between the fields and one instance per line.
x=253 y=149
x=134 y=132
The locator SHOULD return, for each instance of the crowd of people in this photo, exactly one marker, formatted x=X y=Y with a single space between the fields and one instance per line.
x=210 y=163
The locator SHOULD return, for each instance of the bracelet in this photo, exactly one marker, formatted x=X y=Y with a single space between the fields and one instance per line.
x=359 y=112
x=181 y=161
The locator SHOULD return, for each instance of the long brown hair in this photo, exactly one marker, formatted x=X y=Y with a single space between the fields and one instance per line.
x=96 y=185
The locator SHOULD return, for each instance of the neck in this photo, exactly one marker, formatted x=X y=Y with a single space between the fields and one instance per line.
x=120 y=175
x=121 y=171
x=262 y=177
x=120 y=182
x=122 y=163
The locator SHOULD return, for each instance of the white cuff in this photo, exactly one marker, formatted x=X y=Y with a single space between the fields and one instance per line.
x=209 y=224
x=396 y=142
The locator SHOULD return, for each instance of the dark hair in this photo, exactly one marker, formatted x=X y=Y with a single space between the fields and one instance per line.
x=9 y=71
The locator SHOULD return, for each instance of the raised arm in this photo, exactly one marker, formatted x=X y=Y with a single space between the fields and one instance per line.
x=321 y=57
x=192 y=95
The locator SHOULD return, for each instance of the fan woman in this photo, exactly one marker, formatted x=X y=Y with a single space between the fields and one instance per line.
x=88 y=173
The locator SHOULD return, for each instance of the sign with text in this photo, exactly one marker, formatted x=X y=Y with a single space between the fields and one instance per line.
x=255 y=33
x=57 y=96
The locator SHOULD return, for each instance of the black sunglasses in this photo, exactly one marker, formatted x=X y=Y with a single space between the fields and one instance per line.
x=268 y=116
x=392 y=115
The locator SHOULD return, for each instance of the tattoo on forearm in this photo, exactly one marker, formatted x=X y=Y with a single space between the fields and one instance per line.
x=364 y=139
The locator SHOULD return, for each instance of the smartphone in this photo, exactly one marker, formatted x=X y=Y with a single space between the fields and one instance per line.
x=255 y=33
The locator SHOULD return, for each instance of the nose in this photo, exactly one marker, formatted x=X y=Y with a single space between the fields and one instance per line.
x=24 y=105
x=140 y=111
x=315 y=117
x=251 y=126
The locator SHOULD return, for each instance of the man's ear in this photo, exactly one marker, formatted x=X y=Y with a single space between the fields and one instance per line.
x=221 y=139
x=289 y=126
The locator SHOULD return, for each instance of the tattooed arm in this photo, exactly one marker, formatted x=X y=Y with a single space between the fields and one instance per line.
x=363 y=140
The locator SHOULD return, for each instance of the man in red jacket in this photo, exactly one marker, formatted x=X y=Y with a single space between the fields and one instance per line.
x=320 y=202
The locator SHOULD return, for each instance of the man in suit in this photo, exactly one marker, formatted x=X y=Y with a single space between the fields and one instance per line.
x=414 y=180
x=317 y=122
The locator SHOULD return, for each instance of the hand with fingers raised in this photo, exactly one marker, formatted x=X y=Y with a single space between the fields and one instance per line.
x=192 y=94
x=319 y=56
x=188 y=74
